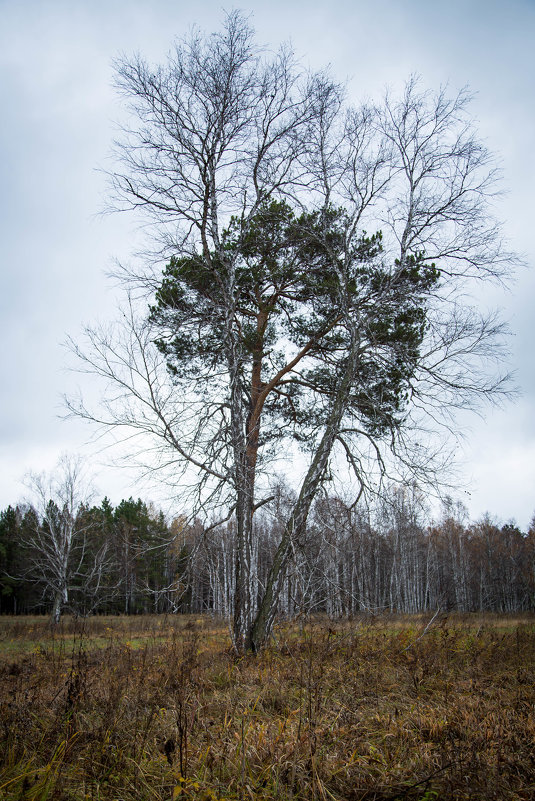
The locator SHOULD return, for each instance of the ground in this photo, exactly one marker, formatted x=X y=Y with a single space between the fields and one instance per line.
x=386 y=707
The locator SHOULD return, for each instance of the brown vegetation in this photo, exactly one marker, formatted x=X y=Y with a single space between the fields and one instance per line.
x=160 y=708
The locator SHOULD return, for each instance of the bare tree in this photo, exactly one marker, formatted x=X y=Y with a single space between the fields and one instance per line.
x=277 y=316
x=58 y=550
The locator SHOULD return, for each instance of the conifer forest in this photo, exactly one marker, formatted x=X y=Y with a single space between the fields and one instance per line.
x=130 y=560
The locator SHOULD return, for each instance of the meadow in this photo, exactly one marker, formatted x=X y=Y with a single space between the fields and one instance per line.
x=160 y=707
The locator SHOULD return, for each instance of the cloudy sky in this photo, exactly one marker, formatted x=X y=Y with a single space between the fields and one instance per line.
x=58 y=112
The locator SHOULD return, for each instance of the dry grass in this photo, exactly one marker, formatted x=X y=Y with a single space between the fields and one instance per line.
x=159 y=708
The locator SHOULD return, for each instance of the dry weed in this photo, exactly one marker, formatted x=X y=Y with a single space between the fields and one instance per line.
x=159 y=708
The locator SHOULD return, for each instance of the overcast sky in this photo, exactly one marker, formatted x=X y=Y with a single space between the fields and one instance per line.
x=57 y=114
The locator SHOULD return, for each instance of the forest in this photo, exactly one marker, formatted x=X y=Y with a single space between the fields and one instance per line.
x=130 y=559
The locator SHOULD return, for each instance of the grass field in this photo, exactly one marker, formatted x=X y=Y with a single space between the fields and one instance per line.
x=160 y=708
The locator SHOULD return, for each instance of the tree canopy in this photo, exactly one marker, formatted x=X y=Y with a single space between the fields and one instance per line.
x=318 y=259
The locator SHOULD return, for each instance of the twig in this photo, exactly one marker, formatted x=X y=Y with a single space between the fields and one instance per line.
x=424 y=632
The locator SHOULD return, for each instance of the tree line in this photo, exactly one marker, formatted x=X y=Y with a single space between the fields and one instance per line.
x=129 y=559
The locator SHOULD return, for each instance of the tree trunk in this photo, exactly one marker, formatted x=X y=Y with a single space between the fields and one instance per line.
x=60 y=599
x=56 y=608
x=263 y=623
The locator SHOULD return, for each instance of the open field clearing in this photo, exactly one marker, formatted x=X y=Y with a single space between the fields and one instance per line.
x=160 y=708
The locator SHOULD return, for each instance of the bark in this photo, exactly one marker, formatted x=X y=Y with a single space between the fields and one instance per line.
x=295 y=526
x=56 y=608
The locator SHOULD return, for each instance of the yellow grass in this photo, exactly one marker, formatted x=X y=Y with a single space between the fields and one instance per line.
x=160 y=708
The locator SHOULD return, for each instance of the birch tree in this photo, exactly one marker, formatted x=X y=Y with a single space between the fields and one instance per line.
x=277 y=315
x=57 y=547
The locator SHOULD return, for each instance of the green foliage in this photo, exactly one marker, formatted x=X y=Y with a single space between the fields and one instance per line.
x=120 y=560
x=8 y=557
x=294 y=282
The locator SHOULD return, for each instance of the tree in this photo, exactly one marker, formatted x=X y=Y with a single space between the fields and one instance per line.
x=139 y=541
x=9 y=529
x=278 y=316
x=57 y=547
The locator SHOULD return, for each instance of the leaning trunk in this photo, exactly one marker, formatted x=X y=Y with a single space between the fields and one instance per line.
x=295 y=526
